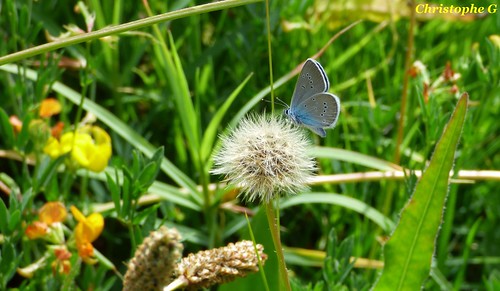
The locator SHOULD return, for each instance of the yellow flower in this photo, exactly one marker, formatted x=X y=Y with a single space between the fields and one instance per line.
x=36 y=230
x=90 y=147
x=49 y=214
x=61 y=264
x=49 y=107
x=52 y=212
x=87 y=230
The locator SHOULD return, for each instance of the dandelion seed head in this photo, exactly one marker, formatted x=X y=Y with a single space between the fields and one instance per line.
x=265 y=156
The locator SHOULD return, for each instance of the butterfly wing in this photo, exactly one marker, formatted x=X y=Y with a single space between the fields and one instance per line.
x=312 y=80
x=318 y=111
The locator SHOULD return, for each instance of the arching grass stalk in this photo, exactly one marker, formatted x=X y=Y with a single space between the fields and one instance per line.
x=129 y=26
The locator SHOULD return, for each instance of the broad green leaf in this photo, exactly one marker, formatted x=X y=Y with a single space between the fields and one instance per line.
x=254 y=281
x=408 y=253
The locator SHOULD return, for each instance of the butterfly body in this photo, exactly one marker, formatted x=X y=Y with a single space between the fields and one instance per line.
x=312 y=106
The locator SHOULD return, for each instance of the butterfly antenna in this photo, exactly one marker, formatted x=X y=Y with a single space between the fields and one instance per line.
x=277 y=100
x=281 y=102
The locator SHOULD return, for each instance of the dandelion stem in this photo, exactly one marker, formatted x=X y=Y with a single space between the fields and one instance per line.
x=274 y=227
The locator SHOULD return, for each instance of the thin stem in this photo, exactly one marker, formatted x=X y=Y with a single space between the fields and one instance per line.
x=402 y=113
x=269 y=50
x=404 y=94
x=463 y=176
x=271 y=220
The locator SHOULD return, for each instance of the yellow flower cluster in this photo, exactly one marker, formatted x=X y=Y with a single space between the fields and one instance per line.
x=87 y=230
x=90 y=147
x=49 y=227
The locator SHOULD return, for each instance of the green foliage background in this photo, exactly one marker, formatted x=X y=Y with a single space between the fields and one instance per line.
x=165 y=86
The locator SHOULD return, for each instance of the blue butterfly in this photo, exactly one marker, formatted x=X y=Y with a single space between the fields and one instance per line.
x=312 y=106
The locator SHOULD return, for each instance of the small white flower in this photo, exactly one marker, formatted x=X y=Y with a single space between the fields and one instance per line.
x=265 y=156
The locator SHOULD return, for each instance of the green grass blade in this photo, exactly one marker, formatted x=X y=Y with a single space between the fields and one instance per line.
x=341 y=200
x=6 y=130
x=408 y=253
x=182 y=98
x=211 y=131
x=353 y=157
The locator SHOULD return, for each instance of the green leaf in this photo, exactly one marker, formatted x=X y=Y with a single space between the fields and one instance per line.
x=146 y=177
x=338 y=263
x=48 y=169
x=27 y=197
x=182 y=97
x=149 y=172
x=6 y=130
x=115 y=192
x=158 y=155
x=10 y=261
x=126 y=193
x=137 y=163
x=173 y=195
x=408 y=253
x=4 y=217
x=352 y=157
x=15 y=220
x=460 y=278
x=142 y=215
x=341 y=200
